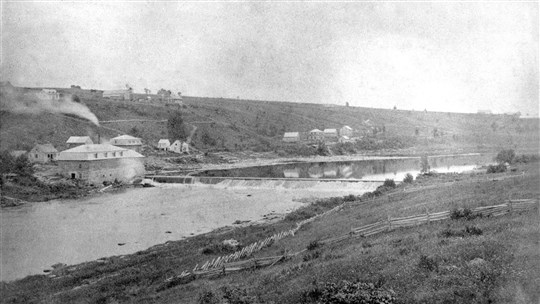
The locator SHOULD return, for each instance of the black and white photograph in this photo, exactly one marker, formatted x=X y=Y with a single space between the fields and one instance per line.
x=269 y=152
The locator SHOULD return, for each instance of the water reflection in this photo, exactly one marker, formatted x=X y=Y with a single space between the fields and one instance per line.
x=361 y=170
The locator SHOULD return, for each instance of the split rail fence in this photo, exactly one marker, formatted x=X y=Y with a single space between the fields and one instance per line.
x=230 y=263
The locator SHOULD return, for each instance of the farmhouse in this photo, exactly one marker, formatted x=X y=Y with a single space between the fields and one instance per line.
x=163 y=144
x=43 y=153
x=346 y=131
x=48 y=94
x=291 y=137
x=330 y=134
x=316 y=135
x=179 y=147
x=118 y=94
x=98 y=163
x=127 y=142
x=75 y=141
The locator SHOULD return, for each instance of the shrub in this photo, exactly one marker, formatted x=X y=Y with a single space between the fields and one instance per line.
x=496 y=168
x=427 y=263
x=217 y=248
x=311 y=255
x=505 y=156
x=389 y=183
x=348 y=293
x=313 y=244
x=408 y=178
x=465 y=213
x=526 y=158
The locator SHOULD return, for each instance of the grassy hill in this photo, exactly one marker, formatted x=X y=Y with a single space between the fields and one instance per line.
x=239 y=125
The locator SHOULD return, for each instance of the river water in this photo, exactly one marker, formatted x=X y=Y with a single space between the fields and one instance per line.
x=37 y=235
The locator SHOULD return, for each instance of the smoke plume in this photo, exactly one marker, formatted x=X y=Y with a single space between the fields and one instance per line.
x=16 y=102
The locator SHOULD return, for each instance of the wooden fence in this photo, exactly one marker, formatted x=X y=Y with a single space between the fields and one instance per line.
x=229 y=263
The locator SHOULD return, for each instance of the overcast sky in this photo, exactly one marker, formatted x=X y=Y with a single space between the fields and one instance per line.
x=443 y=56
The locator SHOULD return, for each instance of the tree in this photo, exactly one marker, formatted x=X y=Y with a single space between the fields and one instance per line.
x=506 y=156
x=147 y=91
x=416 y=132
x=176 y=127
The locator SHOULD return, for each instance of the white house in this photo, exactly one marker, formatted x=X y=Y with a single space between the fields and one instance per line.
x=163 y=144
x=346 y=131
x=42 y=153
x=179 y=147
x=49 y=94
x=127 y=142
x=291 y=137
x=74 y=141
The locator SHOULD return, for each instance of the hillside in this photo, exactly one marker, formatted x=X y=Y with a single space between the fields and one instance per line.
x=239 y=125
x=465 y=259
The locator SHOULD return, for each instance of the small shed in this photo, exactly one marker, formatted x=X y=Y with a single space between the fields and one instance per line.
x=43 y=153
x=75 y=141
x=179 y=147
x=291 y=137
x=163 y=144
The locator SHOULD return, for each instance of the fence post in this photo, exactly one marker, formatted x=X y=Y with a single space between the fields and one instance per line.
x=389 y=223
x=427 y=213
x=510 y=207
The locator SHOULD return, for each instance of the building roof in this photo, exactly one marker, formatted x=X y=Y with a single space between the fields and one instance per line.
x=347 y=127
x=78 y=139
x=84 y=151
x=126 y=140
x=330 y=131
x=291 y=134
x=125 y=137
x=164 y=141
x=315 y=131
x=44 y=148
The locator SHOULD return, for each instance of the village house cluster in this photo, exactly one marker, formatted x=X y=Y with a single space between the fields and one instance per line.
x=117 y=160
x=344 y=134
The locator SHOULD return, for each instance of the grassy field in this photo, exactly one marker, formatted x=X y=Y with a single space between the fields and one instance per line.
x=480 y=260
x=240 y=125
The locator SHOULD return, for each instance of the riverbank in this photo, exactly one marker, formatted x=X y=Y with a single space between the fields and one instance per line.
x=422 y=264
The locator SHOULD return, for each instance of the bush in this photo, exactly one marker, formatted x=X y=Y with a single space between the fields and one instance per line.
x=496 y=168
x=217 y=248
x=348 y=293
x=313 y=244
x=526 y=158
x=465 y=213
x=505 y=156
x=311 y=255
x=408 y=178
x=389 y=183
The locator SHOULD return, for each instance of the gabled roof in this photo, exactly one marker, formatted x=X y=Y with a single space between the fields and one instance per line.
x=78 y=139
x=45 y=148
x=164 y=141
x=291 y=134
x=315 y=131
x=347 y=127
x=330 y=131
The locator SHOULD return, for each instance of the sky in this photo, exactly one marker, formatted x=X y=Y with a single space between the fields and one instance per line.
x=439 y=56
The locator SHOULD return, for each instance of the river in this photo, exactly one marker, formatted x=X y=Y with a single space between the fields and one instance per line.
x=37 y=235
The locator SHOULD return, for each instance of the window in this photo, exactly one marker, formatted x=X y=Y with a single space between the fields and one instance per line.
x=80 y=166
x=95 y=155
x=121 y=153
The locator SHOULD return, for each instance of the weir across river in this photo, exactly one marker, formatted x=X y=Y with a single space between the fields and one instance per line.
x=186 y=179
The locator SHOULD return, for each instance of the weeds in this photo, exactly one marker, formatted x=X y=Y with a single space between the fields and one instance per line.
x=313 y=245
x=464 y=213
x=347 y=292
x=500 y=168
x=311 y=255
x=467 y=231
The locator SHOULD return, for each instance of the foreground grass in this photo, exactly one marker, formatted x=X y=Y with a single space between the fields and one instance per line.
x=496 y=260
